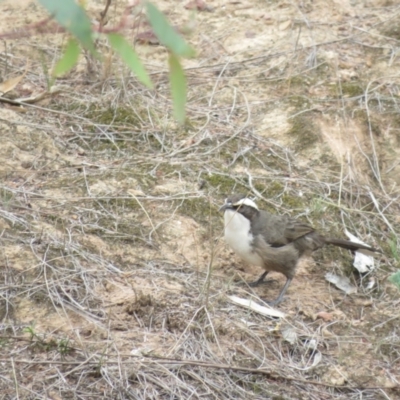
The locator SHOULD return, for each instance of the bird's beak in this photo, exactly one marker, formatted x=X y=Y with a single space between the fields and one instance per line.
x=225 y=206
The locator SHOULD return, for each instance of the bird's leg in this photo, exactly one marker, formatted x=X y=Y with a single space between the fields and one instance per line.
x=281 y=294
x=259 y=281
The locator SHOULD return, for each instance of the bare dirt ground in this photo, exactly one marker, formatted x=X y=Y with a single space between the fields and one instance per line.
x=115 y=278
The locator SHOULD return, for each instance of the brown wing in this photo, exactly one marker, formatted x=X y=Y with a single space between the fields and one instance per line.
x=279 y=230
x=296 y=229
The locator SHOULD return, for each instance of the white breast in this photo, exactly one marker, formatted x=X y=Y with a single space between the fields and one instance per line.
x=239 y=237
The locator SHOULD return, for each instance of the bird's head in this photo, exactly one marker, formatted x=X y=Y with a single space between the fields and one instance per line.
x=238 y=202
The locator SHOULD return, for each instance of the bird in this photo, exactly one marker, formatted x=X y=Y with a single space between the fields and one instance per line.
x=271 y=241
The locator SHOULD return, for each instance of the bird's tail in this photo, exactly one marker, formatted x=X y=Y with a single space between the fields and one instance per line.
x=347 y=244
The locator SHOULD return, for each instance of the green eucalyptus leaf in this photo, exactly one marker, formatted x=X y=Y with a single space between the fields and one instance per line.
x=121 y=46
x=71 y=16
x=166 y=34
x=178 y=83
x=68 y=59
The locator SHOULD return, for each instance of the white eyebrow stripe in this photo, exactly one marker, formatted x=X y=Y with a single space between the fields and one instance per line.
x=246 y=202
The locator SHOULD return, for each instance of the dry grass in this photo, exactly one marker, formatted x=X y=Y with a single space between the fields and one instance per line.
x=115 y=280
